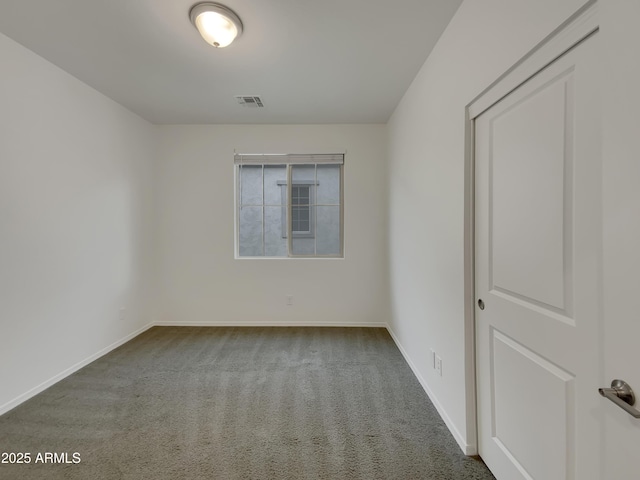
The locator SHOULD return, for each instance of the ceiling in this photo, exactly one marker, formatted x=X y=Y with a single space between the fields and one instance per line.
x=328 y=61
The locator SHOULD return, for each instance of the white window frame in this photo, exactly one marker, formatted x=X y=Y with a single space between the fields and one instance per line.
x=289 y=160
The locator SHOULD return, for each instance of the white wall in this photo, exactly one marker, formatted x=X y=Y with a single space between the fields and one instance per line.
x=427 y=189
x=74 y=210
x=198 y=279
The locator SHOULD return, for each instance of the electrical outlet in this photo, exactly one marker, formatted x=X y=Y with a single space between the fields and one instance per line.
x=439 y=365
x=123 y=312
x=289 y=300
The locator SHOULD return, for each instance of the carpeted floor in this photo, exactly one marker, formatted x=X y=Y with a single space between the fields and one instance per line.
x=238 y=403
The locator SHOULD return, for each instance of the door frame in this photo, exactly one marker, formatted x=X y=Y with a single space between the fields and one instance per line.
x=582 y=24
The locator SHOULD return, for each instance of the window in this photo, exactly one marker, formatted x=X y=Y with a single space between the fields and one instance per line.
x=300 y=210
x=289 y=205
x=302 y=218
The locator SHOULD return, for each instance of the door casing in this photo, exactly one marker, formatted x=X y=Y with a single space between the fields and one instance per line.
x=579 y=26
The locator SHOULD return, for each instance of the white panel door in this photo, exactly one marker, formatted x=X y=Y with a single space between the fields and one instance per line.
x=538 y=269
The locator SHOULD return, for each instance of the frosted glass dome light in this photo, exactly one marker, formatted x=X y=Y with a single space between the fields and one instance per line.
x=218 y=25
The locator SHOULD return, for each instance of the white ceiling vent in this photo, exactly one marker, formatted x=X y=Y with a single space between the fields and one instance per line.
x=252 y=101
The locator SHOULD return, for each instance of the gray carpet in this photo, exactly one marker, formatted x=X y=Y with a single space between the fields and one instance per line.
x=239 y=403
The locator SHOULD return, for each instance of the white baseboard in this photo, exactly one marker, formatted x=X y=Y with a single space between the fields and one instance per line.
x=466 y=448
x=270 y=324
x=11 y=404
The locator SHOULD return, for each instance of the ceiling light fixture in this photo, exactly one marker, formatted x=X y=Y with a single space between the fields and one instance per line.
x=217 y=24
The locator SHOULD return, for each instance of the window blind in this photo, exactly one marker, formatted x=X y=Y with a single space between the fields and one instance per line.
x=286 y=159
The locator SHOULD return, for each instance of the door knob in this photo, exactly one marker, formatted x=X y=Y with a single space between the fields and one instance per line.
x=481 y=304
x=622 y=395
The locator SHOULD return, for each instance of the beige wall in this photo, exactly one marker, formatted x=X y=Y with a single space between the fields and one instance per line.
x=75 y=199
x=200 y=282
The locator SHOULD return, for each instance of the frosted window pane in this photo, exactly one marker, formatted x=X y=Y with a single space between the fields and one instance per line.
x=272 y=189
x=328 y=230
x=328 y=188
x=250 y=232
x=303 y=246
x=275 y=245
x=251 y=184
x=303 y=173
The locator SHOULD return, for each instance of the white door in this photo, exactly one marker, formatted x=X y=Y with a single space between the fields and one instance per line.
x=538 y=274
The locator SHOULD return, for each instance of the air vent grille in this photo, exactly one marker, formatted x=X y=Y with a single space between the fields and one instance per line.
x=252 y=101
